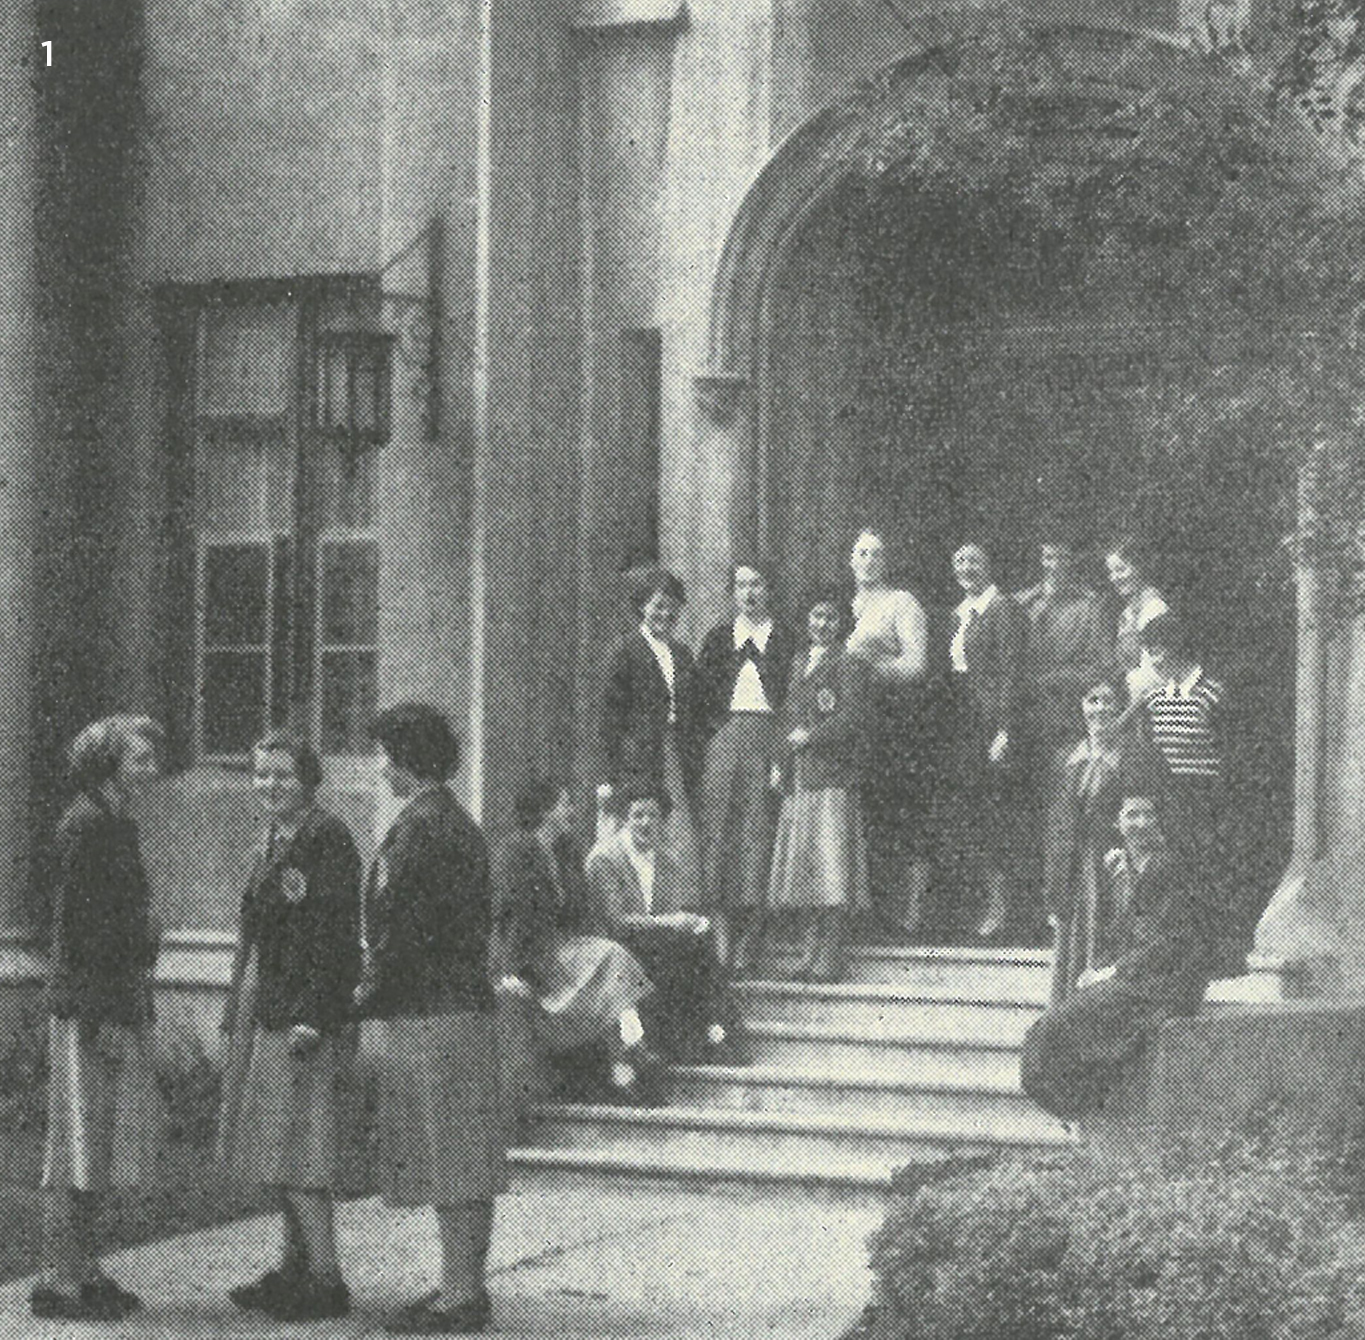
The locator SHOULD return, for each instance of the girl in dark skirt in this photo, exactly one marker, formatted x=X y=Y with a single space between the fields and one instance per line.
x=289 y=1016
x=429 y=918
x=103 y=1109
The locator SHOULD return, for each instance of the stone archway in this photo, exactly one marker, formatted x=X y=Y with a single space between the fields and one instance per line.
x=1063 y=98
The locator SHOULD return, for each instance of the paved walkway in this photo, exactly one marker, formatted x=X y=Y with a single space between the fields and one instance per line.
x=570 y=1262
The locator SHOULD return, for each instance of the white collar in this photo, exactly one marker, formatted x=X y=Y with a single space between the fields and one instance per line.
x=1186 y=685
x=748 y=631
x=656 y=642
x=978 y=604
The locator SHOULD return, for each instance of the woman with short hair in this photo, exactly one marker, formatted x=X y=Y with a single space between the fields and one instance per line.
x=651 y=709
x=891 y=634
x=289 y=1020
x=586 y=987
x=428 y=915
x=742 y=666
x=104 y=1112
x=819 y=869
x=1127 y=564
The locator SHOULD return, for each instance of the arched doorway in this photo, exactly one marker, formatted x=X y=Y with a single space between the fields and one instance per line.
x=986 y=294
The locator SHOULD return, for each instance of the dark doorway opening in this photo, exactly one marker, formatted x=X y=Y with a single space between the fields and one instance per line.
x=945 y=376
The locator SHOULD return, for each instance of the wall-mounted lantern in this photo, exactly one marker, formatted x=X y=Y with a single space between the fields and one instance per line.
x=354 y=380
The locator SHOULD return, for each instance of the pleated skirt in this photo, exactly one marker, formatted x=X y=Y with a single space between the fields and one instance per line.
x=284 y=1117
x=105 y=1116
x=820 y=855
x=441 y=1127
x=586 y=982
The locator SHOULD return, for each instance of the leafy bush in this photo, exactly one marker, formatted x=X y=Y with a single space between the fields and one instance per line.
x=1254 y=1243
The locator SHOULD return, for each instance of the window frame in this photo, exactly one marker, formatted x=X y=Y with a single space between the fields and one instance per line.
x=293 y=653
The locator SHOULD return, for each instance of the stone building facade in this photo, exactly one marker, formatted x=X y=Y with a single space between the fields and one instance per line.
x=350 y=350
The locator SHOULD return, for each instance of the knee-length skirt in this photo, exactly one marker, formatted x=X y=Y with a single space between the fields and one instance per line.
x=738 y=809
x=585 y=984
x=105 y=1117
x=283 y=1120
x=441 y=1125
x=820 y=856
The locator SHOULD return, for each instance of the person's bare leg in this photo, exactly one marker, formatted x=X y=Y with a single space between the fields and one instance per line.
x=64 y=1267
x=466 y=1231
x=313 y=1213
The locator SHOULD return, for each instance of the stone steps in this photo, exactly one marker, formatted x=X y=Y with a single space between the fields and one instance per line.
x=891 y=1011
x=850 y=1093
x=913 y=1060
x=692 y=1138
x=907 y=1057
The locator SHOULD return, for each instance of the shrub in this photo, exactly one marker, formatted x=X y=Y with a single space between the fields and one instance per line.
x=1254 y=1243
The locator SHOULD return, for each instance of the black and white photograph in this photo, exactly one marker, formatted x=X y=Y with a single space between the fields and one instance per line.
x=683 y=669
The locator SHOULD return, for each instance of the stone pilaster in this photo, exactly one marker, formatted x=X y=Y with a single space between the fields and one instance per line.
x=20 y=58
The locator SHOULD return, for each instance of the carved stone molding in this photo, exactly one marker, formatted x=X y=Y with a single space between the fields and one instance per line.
x=720 y=395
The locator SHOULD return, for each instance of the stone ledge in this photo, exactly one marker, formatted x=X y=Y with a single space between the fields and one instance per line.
x=1212 y=1073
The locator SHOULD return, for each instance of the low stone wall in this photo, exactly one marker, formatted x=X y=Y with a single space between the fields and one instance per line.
x=1218 y=1070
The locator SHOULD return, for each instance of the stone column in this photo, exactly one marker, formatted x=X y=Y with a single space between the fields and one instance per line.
x=720 y=134
x=19 y=397
x=526 y=408
x=1302 y=926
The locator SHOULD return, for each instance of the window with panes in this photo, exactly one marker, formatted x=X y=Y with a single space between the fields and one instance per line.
x=285 y=452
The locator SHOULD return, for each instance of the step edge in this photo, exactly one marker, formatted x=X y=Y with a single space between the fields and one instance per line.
x=875 y=1176
x=777 y=1077
x=779 y=1030
x=872 y=992
x=784 y=1123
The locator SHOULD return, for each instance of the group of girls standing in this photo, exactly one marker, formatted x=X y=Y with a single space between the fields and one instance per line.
x=891 y=764
x=314 y=957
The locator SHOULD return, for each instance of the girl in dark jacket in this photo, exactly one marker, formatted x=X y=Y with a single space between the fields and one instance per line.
x=819 y=870
x=428 y=922
x=103 y=1109
x=300 y=933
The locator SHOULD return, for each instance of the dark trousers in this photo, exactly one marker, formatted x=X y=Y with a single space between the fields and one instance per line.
x=688 y=987
x=1079 y=1050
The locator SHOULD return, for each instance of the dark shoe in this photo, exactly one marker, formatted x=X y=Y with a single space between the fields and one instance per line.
x=264 y=1293
x=424 y=1318
x=110 y=1292
x=84 y=1305
x=310 y=1298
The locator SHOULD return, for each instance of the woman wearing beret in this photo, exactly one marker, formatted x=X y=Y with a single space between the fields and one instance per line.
x=586 y=987
x=300 y=930
x=428 y=921
x=103 y=1107
x=651 y=715
x=819 y=871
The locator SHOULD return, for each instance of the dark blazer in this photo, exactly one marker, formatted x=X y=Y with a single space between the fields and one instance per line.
x=429 y=914
x=1167 y=927
x=615 y=890
x=301 y=913
x=103 y=944
x=1078 y=819
x=541 y=899
x=834 y=703
x=993 y=648
x=718 y=665
x=635 y=713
